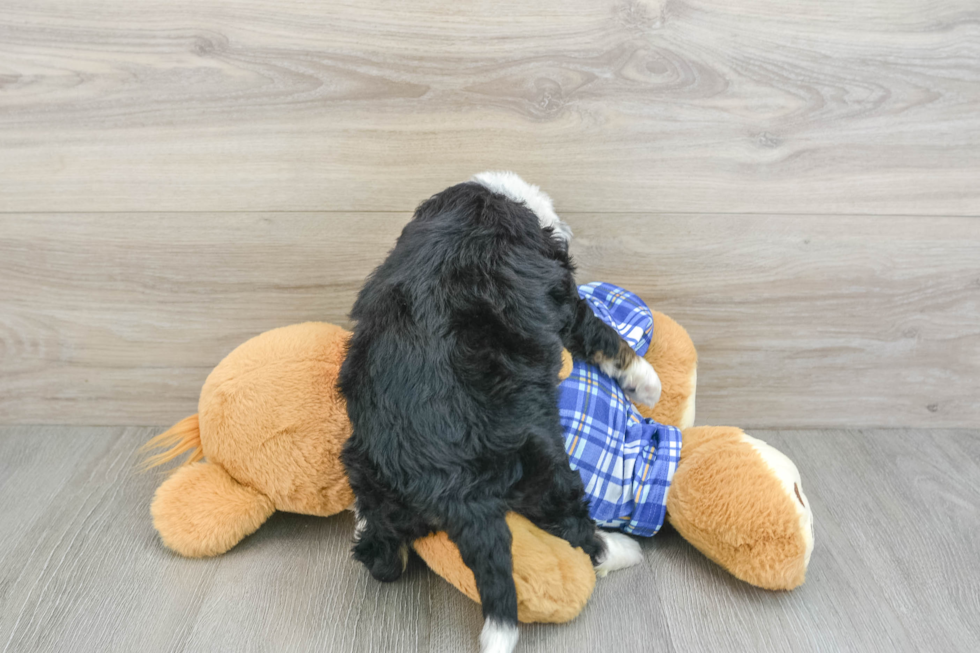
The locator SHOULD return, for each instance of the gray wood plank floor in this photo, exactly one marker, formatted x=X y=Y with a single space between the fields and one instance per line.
x=894 y=568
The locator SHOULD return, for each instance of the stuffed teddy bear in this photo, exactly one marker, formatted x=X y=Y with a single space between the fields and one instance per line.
x=271 y=424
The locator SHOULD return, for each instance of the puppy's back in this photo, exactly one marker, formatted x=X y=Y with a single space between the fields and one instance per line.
x=456 y=330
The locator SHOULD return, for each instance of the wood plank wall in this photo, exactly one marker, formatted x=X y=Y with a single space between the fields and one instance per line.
x=798 y=183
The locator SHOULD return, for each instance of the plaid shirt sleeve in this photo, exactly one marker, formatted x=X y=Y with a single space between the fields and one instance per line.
x=626 y=462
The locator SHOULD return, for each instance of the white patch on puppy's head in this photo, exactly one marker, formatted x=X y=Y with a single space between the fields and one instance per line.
x=513 y=187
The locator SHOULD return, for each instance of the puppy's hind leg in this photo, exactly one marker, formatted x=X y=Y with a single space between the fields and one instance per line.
x=483 y=539
x=383 y=526
x=564 y=507
x=378 y=546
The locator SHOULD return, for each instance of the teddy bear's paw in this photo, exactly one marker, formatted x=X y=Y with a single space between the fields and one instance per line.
x=639 y=381
x=622 y=551
x=498 y=637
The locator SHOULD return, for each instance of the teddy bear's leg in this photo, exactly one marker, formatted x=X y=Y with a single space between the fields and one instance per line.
x=553 y=580
x=201 y=511
x=741 y=503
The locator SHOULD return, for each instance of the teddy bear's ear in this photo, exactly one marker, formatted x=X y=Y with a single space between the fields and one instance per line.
x=201 y=511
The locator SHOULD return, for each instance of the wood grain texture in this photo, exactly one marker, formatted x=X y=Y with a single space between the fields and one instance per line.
x=799 y=321
x=114 y=319
x=626 y=105
x=810 y=320
x=895 y=515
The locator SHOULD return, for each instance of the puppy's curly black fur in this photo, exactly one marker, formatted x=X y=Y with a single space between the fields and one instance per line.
x=451 y=387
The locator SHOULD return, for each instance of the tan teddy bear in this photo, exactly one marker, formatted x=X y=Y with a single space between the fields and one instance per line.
x=271 y=424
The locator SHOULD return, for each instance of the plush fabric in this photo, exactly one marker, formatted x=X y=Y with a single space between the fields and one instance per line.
x=271 y=423
x=727 y=502
x=201 y=511
x=553 y=580
x=271 y=415
x=673 y=356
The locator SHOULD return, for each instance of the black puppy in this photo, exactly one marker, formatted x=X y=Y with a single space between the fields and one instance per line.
x=451 y=387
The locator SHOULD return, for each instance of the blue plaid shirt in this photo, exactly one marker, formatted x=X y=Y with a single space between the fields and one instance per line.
x=625 y=460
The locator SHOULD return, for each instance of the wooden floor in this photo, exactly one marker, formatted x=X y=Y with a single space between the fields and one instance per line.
x=896 y=516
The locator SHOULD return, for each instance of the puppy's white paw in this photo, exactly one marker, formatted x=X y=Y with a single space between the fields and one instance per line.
x=641 y=383
x=498 y=637
x=622 y=551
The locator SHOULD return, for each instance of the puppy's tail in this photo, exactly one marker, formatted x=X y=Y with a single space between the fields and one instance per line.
x=182 y=437
x=484 y=542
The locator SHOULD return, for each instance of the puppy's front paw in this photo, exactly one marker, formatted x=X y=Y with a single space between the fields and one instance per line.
x=622 y=551
x=641 y=383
